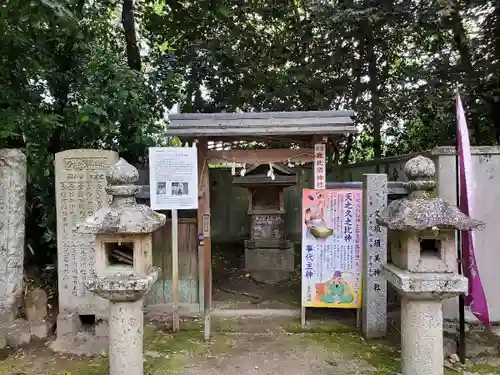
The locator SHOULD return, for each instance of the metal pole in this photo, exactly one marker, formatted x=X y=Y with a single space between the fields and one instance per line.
x=461 y=298
x=175 y=271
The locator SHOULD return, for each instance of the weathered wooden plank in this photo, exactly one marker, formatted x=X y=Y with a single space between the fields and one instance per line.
x=204 y=235
x=229 y=205
x=261 y=156
x=261 y=122
x=293 y=203
x=157 y=294
x=269 y=130
x=259 y=115
x=188 y=262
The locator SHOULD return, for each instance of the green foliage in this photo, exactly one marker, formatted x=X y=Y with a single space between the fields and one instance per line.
x=66 y=84
x=67 y=80
x=397 y=64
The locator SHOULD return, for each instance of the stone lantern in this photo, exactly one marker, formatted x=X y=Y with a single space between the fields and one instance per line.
x=269 y=256
x=423 y=265
x=124 y=271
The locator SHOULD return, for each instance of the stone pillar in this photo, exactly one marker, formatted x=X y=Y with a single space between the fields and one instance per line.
x=421 y=336
x=80 y=184
x=374 y=292
x=12 y=230
x=125 y=291
x=125 y=337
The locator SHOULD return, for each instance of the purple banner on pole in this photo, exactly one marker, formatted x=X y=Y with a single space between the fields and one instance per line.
x=475 y=299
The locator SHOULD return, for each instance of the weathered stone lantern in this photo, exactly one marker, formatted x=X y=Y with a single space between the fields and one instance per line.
x=269 y=256
x=124 y=272
x=423 y=265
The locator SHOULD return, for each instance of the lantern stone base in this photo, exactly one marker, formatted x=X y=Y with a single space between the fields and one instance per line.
x=269 y=265
x=422 y=316
x=126 y=318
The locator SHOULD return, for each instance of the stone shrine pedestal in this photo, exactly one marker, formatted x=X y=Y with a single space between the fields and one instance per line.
x=269 y=257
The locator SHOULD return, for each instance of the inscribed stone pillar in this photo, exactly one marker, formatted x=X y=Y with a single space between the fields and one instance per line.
x=423 y=335
x=12 y=230
x=80 y=191
x=374 y=295
x=126 y=326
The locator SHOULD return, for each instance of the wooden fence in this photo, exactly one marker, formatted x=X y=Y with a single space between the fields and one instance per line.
x=188 y=263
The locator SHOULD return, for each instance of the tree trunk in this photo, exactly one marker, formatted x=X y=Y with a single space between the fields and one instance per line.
x=462 y=45
x=128 y=22
x=128 y=129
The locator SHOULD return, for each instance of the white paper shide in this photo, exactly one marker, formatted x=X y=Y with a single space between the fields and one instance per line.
x=173 y=175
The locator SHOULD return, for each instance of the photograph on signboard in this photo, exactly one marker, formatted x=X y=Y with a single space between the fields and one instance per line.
x=173 y=175
x=331 y=248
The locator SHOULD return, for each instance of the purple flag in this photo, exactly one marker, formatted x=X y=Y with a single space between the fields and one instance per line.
x=475 y=299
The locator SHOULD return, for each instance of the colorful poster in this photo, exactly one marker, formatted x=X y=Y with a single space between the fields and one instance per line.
x=331 y=248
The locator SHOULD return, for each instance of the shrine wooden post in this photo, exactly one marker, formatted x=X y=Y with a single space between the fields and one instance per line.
x=204 y=245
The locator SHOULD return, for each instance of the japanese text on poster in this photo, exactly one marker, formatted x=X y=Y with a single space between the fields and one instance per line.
x=173 y=176
x=331 y=248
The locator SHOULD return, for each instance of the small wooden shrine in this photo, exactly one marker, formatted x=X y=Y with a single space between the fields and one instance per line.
x=303 y=130
x=269 y=256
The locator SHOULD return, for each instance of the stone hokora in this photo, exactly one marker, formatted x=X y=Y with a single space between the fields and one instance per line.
x=423 y=264
x=269 y=255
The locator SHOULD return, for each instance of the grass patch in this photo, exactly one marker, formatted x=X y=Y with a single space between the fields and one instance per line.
x=164 y=354
x=482 y=369
x=346 y=339
x=379 y=354
x=295 y=327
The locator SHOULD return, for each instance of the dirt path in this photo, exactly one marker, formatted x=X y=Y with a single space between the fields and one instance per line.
x=244 y=346
x=274 y=353
x=264 y=347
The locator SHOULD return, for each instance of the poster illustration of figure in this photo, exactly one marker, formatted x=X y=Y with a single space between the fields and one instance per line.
x=331 y=248
x=314 y=215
